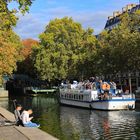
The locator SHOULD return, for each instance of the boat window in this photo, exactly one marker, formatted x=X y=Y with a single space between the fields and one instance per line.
x=77 y=96
x=86 y=97
x=82 y=97
x=73 y=96
x=67 y=95
x=70 y=96
x=61 y=95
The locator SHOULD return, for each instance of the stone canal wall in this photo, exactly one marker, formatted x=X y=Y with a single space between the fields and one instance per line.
x=3 y=93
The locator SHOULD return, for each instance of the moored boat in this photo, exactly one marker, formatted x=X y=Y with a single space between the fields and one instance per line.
x=77 y=95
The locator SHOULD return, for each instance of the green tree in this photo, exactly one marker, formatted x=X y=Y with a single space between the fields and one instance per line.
x=9 y=42
x=64 y=47
x=9 y=52
x=7 y=15
x=119 y=48
x=25 y=65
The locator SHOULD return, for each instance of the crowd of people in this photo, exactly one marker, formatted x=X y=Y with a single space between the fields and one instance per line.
x=93 y=83
x=23 y=118
x=105 y=89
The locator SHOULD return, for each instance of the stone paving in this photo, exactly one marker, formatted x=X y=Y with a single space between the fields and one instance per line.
x=10 y=133
x=2 y=120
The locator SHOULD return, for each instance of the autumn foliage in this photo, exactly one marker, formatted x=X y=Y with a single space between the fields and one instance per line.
x=25 y=66
x=27 y=47
x=7 y=58
x=9 y=52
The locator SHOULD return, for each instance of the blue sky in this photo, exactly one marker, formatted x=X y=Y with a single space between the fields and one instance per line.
x=90 y=13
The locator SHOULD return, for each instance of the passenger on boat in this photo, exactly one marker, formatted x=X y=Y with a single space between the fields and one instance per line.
x=99 y=89
x=93 y=86
x=74 y=85
x=98 y=86
x=27 y=120
x=105 y=87
x=101 y=96
x=80 y=86
x=88 y=85
x=92 y=79
x=112 y=87
x=119 y=92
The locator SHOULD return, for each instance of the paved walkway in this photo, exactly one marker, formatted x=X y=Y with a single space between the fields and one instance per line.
x=19 y=132
x=10 y=133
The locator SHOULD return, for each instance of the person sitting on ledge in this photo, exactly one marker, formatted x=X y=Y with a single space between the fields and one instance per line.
x=26 y=119
x=18 y=115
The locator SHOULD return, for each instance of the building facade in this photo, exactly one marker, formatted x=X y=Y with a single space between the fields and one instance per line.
x=114 y=20
x=131 y=80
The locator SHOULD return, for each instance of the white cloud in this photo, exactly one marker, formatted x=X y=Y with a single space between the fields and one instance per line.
x=93 y=14
x=31 y=25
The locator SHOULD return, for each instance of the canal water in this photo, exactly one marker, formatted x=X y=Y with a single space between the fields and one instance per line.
x=69 y=123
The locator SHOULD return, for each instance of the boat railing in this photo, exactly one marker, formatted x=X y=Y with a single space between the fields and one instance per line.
x=129 y=96
x=67 y=90
x=75 y=91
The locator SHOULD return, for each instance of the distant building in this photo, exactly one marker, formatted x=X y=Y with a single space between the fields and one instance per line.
x=124 y=79
x=114 y=20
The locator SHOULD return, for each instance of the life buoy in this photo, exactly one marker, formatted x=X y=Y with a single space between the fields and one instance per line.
x=108 y=87
x=105 y=86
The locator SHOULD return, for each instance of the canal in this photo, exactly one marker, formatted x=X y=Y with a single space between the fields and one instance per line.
x=68 y=123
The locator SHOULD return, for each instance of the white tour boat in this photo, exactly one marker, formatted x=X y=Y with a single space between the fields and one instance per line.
x=90 y=98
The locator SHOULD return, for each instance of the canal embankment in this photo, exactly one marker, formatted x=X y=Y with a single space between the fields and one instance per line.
x=3 y=93
x=18 y=132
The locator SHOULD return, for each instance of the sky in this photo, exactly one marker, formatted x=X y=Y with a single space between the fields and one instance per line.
x=90 y=13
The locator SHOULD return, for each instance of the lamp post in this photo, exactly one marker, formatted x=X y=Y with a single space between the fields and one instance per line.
x=120 y=83
x=130 y=85
x=137 y=79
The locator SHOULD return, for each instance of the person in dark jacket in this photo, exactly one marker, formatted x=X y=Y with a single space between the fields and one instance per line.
x=17 y=114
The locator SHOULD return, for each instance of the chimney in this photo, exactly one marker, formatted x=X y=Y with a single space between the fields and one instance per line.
x=110 y=17
x=124 y=9
x=116 y=13
x=130 y=6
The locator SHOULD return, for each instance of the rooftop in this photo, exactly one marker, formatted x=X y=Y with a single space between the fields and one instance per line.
x=115 y=19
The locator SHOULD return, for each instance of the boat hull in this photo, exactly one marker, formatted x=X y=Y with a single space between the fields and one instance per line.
x=114 y=104
x=76 y=103
x=102 y=104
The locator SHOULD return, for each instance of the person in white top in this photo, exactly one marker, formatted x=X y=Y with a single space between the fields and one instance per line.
x=113 y=87
x=26 y=119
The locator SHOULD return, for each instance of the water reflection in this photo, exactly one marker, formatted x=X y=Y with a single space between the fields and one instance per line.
x=68 y=123
x=98 y=124
x=75 y=122
x=113 y=125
